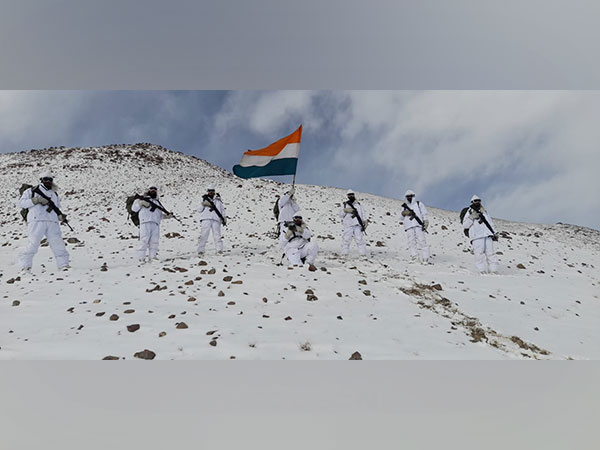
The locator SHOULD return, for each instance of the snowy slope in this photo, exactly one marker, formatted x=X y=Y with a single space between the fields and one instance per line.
x=383 y=308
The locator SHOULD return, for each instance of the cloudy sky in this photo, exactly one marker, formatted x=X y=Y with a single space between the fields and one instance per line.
x=531 y=155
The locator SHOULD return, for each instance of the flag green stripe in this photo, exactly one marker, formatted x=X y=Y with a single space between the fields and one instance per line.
x=284 y=166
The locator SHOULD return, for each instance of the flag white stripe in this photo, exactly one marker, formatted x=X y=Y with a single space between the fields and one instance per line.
x=289 y=151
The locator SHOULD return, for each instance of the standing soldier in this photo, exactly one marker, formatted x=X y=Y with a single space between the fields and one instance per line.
x=298 y=248
x=150 y=212
x=287 y=208
x=43 y=219
x=212 y=216
x=415 y=225
x=480 y=229
x=355 y=224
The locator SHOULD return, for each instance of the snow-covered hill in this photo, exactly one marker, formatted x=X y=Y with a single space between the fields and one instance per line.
x=242 y=305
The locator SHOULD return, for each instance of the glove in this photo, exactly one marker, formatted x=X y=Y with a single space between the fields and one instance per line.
x=62 y=218
x=466 y=231
x=291 y=226
x=144 y=204
x=206 y=203
x=495 y=237
x=425 y=224
x=474 y=215
x=292 y=191
x=406 y=212
x=224 y=221
x=366 y=223
x=289 y=234
x=39 y=201
x=348 y=210
x=168 y=216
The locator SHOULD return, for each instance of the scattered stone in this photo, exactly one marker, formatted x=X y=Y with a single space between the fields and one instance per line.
x=356 y=356
x=312 y=268
x=227 y=278
x=213 y=343
x=221 y=294
x=288 y=318
x=203 y=263
x=16 y=303
x=237 y=282
x=379 y=244
x=162 y=334
x=364 y=282
x=181 y=326
x=265 y=300
x=114 y=317
x=100 y=314
x=444 y=227
x=210 y=333
x=180 y=269
x=437 y=287
x=312 y=298
x=339 y=294
x=265 y=316
x=309 y=291
x=231 y=303
x=340 y=318
x=172 y=316
x=367 y=292
x=212 y=271
x=191 y=299
x=189 y=283
x=71 y=309
x=97 y=301
x=110 y=358
x=520 y=266
x=133 y=328
x=145 y=354
x=73 y=240
x=129 y=311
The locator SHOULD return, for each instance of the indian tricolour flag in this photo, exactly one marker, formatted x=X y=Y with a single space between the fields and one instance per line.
x=279 y=158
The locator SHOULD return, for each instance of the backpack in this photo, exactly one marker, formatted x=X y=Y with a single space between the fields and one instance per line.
x=135 y=218
x=22 y=189
x=276 y=209
x=463 y=212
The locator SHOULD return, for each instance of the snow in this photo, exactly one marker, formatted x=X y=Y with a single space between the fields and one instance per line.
x=549 y=310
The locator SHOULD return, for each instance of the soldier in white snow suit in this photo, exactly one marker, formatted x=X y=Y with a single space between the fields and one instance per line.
x=287 y=208
x=351 y=211
x=298 y=247
x=481 y=235
x=415 y=225
x=212 y=216
x=43 y=221
x=150 y=214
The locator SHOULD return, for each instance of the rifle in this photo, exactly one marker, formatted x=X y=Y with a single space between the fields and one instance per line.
x=214 y=208
x=158 y=205
x=51 y=205
x=356 y=215
x=483 y=220
x=413 y=215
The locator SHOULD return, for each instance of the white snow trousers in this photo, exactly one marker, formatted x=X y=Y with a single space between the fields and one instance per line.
x=485 y=257
x=356 y=233
x=416 y=238
x=149 y=237
x=209 y=225
x=309 y=251
x=36 y=232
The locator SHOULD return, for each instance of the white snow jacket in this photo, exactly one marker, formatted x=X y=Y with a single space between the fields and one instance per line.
x=419 y=210
x=39 y=213
x=207 y=214
x=298 y=239
x=145 y=214
x=478 y=229
x=287 y=208
x=347 y=218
